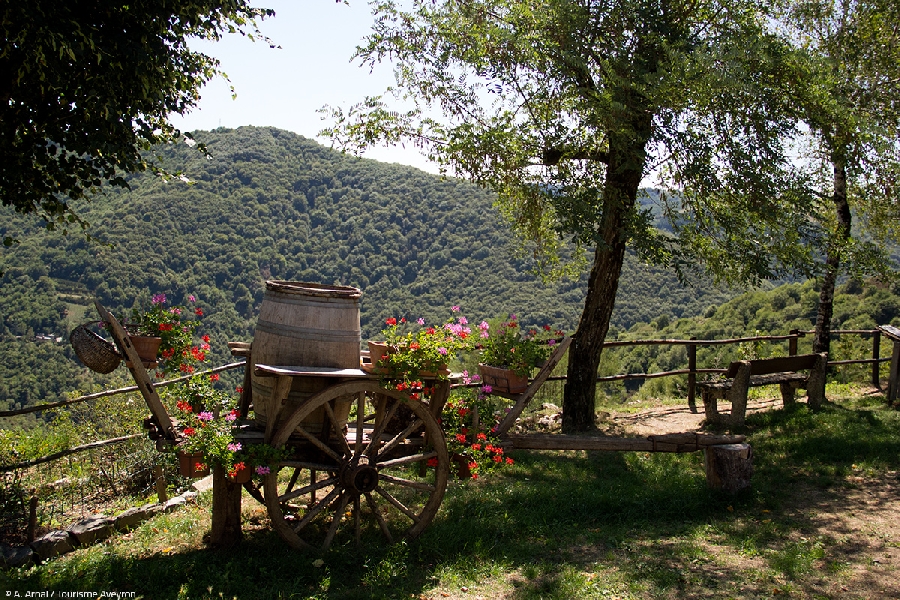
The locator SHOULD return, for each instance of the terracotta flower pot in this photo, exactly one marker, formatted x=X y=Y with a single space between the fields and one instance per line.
x=461 y=461
x=242 y=476
x=188 y=463
x=377 y=351
x=503 y=380
x=147 y=349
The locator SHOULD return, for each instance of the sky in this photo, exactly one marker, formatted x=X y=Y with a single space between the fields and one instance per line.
x=285 y=87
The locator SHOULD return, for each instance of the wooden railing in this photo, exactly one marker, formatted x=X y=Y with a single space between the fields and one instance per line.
x=691 y=371
x=692 y=344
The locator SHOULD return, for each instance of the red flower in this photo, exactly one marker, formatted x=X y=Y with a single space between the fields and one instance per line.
x=214 y=377
x=432 y=462
x=198 y=311
x=189 y=431
x=460 y=438
x=205 y=338
x=430 y=331
x=414 y=346
x=498 y=458
x=509 y=461
x=391 y=322
x=476 y=447
x=239 y=390
x=481 y=437
x=546 y=328
x=165 y=327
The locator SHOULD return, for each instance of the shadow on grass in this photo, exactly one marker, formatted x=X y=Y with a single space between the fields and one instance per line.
x=545 y=528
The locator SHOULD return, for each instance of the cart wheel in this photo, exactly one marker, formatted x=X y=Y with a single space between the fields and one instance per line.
x=357 y=480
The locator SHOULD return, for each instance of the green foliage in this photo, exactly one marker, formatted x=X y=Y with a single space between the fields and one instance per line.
x=505 y=345
x=89 y=86
x=273 y=205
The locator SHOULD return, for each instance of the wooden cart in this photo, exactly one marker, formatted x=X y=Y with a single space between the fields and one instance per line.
x=355 y=471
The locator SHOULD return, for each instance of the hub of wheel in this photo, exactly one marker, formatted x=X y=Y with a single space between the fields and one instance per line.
x=359 y=476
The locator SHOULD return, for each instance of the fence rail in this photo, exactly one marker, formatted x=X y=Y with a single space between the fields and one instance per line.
x=692 y=371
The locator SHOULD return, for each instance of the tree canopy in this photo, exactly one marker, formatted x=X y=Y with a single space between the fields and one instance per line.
x=563 y=107
x=86 y=86
x=849 y=103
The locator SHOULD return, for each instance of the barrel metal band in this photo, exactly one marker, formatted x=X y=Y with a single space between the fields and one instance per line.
x=279 y=298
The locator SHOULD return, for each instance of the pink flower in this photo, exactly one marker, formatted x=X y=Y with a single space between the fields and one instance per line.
x=234 y=446
x=420 y=321
x=487 y=389
x=463 y=321
x=192 y=299
x=232 y=416
x=158 y=299
x=551 y=342
x=454 y=308
x=442 y=351
x=261 y=470
x=205 y=416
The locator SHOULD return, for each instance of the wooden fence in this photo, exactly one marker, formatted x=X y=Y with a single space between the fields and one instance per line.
x=691 y=371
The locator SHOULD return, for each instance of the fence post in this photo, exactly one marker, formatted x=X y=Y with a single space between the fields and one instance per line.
x=692 y=376
x=792 y=343
x=32 y=517
x=895 y=370
x=160 y=480
x=876 y=356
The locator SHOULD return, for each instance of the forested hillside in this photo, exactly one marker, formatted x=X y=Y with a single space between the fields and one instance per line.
x=273 y=205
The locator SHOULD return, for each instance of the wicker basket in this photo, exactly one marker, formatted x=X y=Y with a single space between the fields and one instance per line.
x=96 y=353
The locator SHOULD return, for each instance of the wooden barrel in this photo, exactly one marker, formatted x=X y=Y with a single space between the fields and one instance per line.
x=304 y=324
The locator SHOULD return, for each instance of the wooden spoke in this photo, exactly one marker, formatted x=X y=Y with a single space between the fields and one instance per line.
x=377 y=514
x=320 y=444
x=416 y=485
x=336 y=520
x=406 y=460
x=356 y=519
x=379 y=428
x=338 y=431
x=315 y=510
x=306 y=489
x=401 y=436
x=397 y=504
x=360 y=421
x=299 y=464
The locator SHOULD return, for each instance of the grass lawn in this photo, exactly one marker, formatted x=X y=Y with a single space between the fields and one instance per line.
x=821 y=521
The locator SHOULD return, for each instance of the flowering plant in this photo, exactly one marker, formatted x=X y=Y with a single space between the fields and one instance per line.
x=506 y=346
x=207 y=423
x=420 y=350
x=262 y=458
x=469 y=420
x=173 y=325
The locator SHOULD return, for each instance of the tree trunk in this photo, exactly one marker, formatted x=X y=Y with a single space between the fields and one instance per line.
x=822 y=340
x=623 y=177
x=226 y=510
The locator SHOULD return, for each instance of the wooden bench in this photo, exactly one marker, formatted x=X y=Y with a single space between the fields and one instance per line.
x=744 y=374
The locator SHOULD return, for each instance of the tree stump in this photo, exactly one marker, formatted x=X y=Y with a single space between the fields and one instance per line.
x=729 y=467
x=226 y=510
